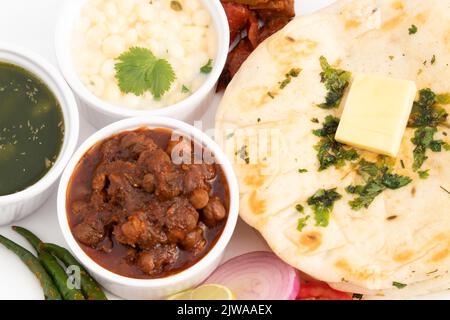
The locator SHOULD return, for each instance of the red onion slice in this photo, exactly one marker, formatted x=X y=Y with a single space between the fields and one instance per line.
x=258 y=276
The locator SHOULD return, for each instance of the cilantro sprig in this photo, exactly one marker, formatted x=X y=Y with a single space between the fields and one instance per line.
x=138 y=70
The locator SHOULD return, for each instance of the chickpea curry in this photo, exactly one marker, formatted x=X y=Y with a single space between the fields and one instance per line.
x=138 y=213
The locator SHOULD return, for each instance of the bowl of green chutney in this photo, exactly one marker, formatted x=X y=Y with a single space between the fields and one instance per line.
x=39 y=126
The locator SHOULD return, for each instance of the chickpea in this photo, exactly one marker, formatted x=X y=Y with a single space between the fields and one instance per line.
x=107 y=70
x=110 y=10
x=201 y=18
x=113 y=46
x=146 y=262
x=108 y=28
x=112 y=93
x=214 y=212
x=194 y=240
x=149 y=183
x=146 y=12
x=126 y=6
x=199 y=198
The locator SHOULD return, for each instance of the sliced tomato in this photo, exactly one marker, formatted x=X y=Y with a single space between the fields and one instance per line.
x=320 y=291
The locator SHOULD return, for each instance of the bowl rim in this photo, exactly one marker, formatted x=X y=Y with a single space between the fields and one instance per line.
x=63 y=34
x=43 y=70
x=155 y=122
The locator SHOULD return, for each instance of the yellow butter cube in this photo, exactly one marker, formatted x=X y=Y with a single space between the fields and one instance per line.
x=376 y=113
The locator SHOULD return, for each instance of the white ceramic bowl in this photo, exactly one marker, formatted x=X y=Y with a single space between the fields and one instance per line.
x=130 y=288
x=18 y=205
x=101 y=113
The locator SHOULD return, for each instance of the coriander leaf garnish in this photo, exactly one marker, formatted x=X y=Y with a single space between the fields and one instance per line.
x=433 y=59
x=207 y=68
x=367 y=194
x=138 y=71
x=399 y=285
x=446 y=146
x=425 y=112
x=329 y=128
x=424 y=174
x=230 y=135
x=413 y=29
x=426 y=116
x=336 y=81
x=322 y=203
x=378 y=177
x=162 y=76
x=424 y=140
x=185 y=89
x=443 y=98
x=284 y=83
x=293 y=73
x=302 y=223
x=329 y=151
x=300 y=208
x=302 y=170
x=368 y=169
x=395 y=181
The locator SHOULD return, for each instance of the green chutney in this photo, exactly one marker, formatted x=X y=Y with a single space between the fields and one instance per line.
x=31 y=129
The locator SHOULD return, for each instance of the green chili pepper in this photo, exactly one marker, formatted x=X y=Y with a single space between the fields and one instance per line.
x=29 y=236
x=50 y=290
x=59 y=277
x=57 y=273
x=89 y=286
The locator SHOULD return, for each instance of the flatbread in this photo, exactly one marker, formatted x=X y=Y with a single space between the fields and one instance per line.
x=361 y=251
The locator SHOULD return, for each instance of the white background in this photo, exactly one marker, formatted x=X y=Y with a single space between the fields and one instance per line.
x=31 y=23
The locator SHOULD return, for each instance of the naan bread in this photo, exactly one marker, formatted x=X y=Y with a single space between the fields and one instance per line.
x=361 y=251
